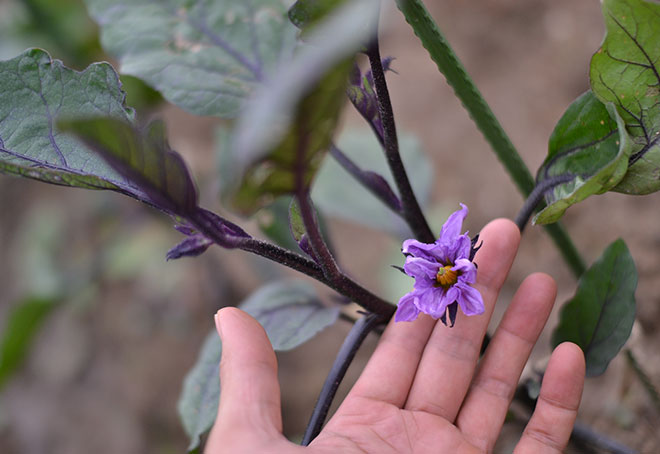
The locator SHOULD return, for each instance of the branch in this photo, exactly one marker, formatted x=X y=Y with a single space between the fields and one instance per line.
x=536 y=197
x=411 y=209
x=457 y=77
x=344 y=358
x=373 y=182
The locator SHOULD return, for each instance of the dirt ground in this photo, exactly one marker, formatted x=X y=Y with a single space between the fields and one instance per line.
x=106 y=371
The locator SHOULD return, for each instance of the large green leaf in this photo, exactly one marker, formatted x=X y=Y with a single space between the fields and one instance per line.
x=588 y=152
x=337 y=193
x=205 y=56
x=600 y=316
x=144 y=157
x=21 y=327
x=291 y=314
x=284 y=134
x=34 y=90
x=626 y=72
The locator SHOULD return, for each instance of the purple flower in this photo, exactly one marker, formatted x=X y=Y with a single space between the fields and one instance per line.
x=444 y=274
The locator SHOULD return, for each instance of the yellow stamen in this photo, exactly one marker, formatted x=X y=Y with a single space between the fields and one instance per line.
x=446 y=277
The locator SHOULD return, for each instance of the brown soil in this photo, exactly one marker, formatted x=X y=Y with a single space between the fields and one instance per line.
x=106 y=371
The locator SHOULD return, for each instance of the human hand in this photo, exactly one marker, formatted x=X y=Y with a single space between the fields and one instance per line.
x=422 y=390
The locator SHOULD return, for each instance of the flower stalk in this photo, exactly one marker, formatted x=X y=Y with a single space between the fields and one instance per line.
x=412 y=212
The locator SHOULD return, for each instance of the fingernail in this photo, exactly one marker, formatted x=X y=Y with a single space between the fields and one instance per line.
x=216 y=317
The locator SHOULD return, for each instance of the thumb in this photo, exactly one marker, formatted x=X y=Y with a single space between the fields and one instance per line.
x=250 y=393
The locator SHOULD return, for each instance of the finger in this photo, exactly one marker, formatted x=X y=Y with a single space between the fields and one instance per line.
x=450 y=356
x=250 y=393
x=552 y=422
x=391 y=369
x=485 y=406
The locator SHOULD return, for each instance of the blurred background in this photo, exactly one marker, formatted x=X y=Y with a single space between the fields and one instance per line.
x=120 y=326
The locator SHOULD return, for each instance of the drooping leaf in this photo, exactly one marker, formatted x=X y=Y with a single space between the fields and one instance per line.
x=21 y=326
x=626 y=72
x=291 y=314
x=143 y=157
x=336 y=193
x=206 y=56
x=284 y=134
x=34 y=90
x=599 y=318
x=588 y=152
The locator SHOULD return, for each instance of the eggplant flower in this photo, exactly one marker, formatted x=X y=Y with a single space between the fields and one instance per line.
x=444 y=274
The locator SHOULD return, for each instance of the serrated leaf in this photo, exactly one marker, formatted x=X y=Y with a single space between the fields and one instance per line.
x=588 y=151
x=626 y=72
x=22 y=325
x=291 y=314
x=599 y=318
x=206 y=56
x=337 y=193
x=286 y=130
x=34 y=90
x=143 y=157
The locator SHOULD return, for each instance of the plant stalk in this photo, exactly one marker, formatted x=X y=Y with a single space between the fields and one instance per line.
x=347 y=352
x=412 y=212
x=457 y=77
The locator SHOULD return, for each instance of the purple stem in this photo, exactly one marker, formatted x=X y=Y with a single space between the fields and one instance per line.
x=412 y=212
x=383 y=192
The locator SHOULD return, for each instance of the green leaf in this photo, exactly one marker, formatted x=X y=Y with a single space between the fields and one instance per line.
x=206 y=56
x=600 y=316
x=284 y=134
x=198 y=403
x=306 y=13
x=21 y=327
x=626 y=72
x=143 y=157
x=588 y=151
x=295 y=220
x=274 y=223
x=291 y=314
x=34 y=90
x=338 y=194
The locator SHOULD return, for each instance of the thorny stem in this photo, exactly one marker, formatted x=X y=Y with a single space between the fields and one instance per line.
x=411 y=209
x=347 y=352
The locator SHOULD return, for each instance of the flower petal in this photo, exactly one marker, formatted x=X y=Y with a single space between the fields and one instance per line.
x=467 y=271
x=452 y=228
x=459 y=249
x=425 y=300
x=420 y=268
x=406 y=310
x=418 y=249
x=470 y=299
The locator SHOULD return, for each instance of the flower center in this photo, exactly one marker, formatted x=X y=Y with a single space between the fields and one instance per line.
x=446 y=277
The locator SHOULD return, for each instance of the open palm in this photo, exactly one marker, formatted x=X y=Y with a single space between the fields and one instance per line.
x=424 y=389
